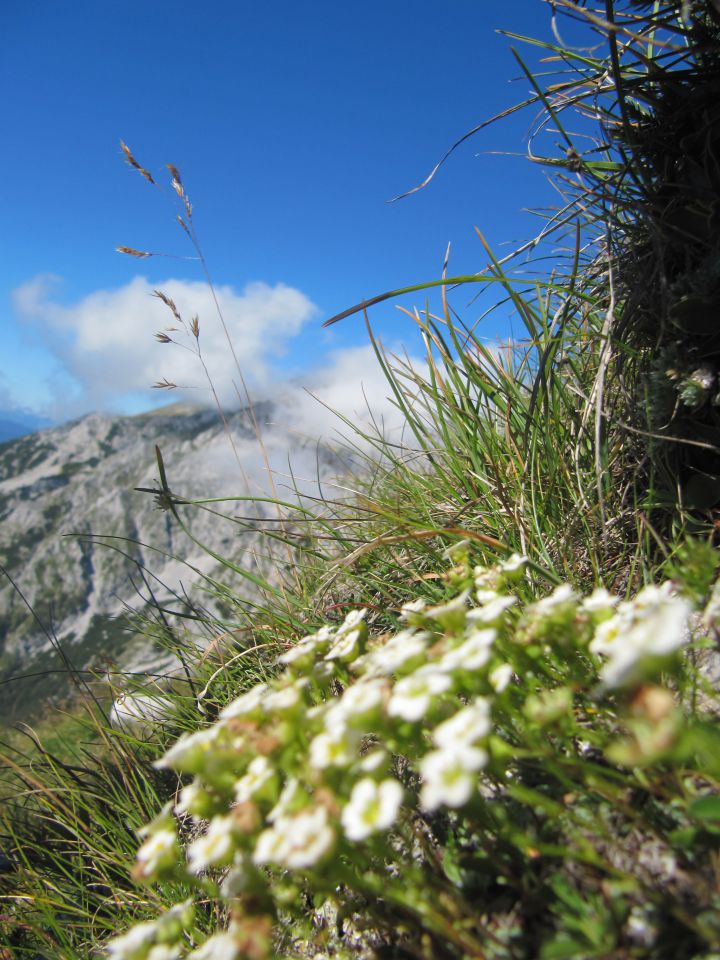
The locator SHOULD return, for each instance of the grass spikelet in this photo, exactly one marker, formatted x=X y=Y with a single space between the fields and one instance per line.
x=135 y=165
x=132 y=252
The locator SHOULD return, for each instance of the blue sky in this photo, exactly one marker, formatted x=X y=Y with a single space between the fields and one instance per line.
x=292 y=125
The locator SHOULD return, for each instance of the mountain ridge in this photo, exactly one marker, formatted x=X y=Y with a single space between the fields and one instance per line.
x=67 y=491
x=16 y=423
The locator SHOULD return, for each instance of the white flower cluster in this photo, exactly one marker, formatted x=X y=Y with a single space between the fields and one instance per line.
x=292 y=775
x=648 y=628
x=155 y=939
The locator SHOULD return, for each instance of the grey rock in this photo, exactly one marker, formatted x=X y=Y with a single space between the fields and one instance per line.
x=77 y=538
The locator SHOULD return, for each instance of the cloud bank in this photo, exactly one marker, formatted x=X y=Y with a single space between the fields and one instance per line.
x=322 y=410
x=105 y=341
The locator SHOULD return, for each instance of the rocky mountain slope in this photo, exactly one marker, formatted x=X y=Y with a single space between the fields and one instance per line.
x=67 y=497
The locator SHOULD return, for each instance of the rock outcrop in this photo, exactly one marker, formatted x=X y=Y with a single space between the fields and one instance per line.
x=81 y=546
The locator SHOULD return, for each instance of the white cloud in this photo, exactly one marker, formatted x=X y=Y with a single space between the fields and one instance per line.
x=105 y=341
x=305 y=420
x=352 y=384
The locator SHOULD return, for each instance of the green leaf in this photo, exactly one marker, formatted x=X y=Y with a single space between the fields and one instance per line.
x=684 y=837
x=700 y=745
x=536 y=800
x=563 y=947
x=705 y=808
x=702 y=491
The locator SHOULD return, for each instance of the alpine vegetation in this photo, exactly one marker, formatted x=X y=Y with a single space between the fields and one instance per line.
x=472 y=709
x=386 y=769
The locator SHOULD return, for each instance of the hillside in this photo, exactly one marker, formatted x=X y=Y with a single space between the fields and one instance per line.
x=62 y=485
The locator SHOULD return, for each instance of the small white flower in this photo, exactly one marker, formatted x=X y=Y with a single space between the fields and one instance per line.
x=406 y=650
x=608 y=633
x=132 y=945
x=259 y=778
x=318 y=712
x=486 y=579
x=159 y=852
x=561 y=597
x=220 y=946
x=272 y=844
x=456 y=551
x=362 y=700
x=349 y=638
x=246 y=704
x=449 y=776
x=173 y=921
x=642 y=932
x=190 y=796
x=334 y=748
x=372 y=807
x=306 y=650
x=652 y=626
x=215 y=848
x=138 y=942
x=291 y=797
x=194 y=799
x=239 y=876
x=500 y=677
x=303 y=653
x=323 y=672
x=375 y=762
x=465 y=727
x=166 y=951
x=486 y=596
x=491 y=612
x=187 y=754
x=413 y=695
x=347 y=646
x=599 y=602
x=352 y=621
x=473 y=654
x=285 y=699
x=450 y=615
x=297 y=842
x=516 y=563
x=409 y=610
x=711 y=613
x=311 y=838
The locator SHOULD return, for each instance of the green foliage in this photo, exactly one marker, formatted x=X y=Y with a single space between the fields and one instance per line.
x=439 y=773
x=694 y=565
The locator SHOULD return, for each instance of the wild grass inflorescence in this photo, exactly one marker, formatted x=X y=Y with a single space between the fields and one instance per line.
x=477 y=717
